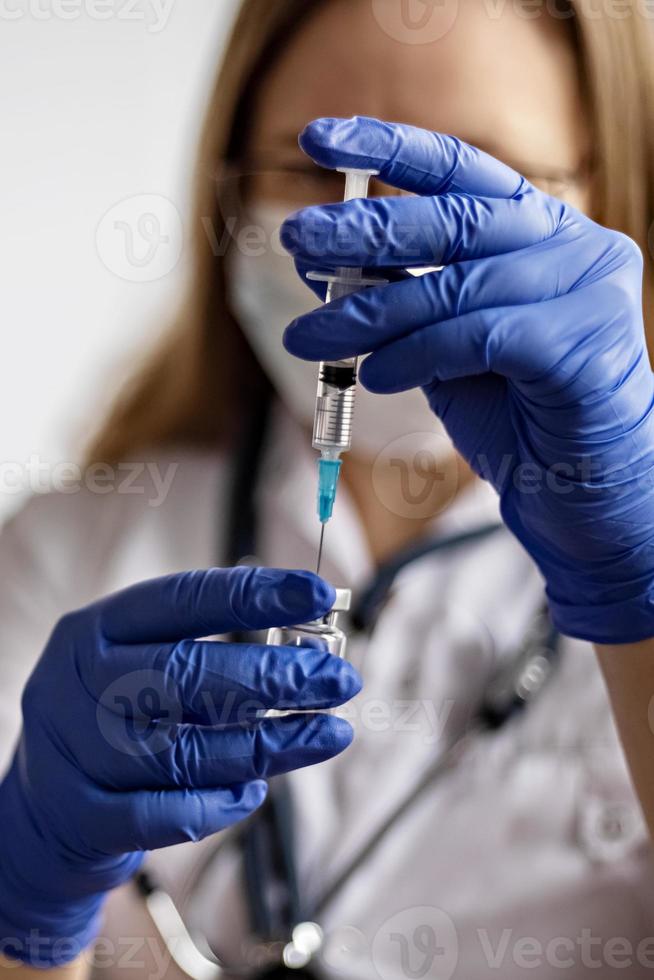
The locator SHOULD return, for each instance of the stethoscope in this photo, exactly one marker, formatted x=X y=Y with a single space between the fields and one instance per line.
x=289 y=938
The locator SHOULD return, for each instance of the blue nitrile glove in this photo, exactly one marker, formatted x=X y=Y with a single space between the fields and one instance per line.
x=136 y=736
x=529 y=346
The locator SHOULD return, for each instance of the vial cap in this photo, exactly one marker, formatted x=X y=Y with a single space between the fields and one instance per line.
x=343 y=600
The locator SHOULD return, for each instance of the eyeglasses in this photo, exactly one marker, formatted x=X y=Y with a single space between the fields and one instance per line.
x=306 y=185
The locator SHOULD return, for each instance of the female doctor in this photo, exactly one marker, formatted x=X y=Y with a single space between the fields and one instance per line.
x=502 y=461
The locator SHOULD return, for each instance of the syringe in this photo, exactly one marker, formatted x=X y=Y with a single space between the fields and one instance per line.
x=332 y=427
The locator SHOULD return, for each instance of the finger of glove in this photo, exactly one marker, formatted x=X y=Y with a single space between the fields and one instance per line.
x=510 y=341
x=198 y=757
x=212 y=601
x=210 y=683
x=409 y=158
x=364 y=321
x=410 y=232
x=320 y=288
x=271 y=746
x=149 y=819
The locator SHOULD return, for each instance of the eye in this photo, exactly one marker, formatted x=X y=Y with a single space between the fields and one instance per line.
x=298 y=186
x=556 y=186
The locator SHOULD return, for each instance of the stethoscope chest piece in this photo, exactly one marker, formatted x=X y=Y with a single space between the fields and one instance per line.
x=306 y=941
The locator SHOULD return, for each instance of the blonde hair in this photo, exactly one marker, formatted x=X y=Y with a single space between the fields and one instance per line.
x=200 y=383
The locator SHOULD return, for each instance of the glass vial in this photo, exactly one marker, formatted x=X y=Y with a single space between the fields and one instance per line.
x=324 y=634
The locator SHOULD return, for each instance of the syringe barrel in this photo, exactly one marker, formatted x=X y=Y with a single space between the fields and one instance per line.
x=345 y=282
x=357 y=182
x=332 y=424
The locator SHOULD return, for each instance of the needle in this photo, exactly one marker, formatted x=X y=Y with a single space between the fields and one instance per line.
x=322 y=538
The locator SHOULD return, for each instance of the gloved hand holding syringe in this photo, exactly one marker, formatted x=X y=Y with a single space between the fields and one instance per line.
x=332 y=424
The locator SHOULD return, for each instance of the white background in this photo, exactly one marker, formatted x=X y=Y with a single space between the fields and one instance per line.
x=92 y=112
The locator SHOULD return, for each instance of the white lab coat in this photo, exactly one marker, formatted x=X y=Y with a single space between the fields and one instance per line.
x=530 y=858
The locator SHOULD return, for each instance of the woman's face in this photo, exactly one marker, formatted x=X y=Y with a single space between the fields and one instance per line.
x=496 y=76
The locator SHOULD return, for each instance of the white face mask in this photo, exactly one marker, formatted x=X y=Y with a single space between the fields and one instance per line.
x=266 y=294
